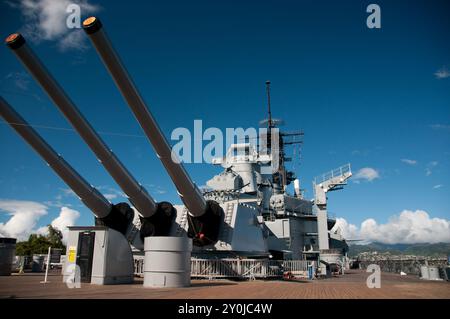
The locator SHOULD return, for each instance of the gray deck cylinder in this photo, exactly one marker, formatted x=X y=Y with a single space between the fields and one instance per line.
x=167 y=262
x=7 y=253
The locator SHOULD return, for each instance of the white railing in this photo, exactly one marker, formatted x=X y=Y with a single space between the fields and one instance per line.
x=340 y=171
x=238 y=268
x=138 y=265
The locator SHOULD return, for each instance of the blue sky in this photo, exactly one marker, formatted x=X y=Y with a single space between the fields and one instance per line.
x=370 y=97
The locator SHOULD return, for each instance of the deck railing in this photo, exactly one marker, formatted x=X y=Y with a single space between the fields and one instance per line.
x=238 y=268
x=340 y=171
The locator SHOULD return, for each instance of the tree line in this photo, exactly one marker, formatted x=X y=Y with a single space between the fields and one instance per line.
x=39 y=244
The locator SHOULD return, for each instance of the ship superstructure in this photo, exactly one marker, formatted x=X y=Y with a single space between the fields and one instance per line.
x=246 y=212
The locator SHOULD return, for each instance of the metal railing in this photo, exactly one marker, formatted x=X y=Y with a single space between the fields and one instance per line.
x=340 y=171
x=138 y=265
x=238 y=268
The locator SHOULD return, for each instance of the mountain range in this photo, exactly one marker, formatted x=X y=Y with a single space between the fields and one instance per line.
x=428 y=250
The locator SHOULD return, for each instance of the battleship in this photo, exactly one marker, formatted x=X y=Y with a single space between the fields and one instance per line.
x=246 y=223
x=245 y=212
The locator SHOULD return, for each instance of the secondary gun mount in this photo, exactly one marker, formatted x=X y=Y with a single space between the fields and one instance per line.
x=205 y=217
x=114 y=216
x=157 y=218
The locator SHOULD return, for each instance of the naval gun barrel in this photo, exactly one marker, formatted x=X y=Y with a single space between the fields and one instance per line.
x=117 y=216
x=89 y=195
x=188 y=191
x=205 y=217
x=137 y=195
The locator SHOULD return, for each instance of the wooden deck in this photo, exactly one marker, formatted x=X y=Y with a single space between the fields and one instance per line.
x=351 y=285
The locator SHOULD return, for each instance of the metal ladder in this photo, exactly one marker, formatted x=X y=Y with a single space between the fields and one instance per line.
x=183 y=221
x=228 y=219
x=134 y=230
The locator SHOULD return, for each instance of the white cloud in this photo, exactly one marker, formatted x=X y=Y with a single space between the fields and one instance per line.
x=407 y=228
x=110 y=196
x=111 y=192
x=46 y=20
x=68 y=192
x=438 y=186
x=409 y=161
x=59 y=200
x=349 y=231
x=366 y=173
x=73 y=40
x=155 y=190
x=442 y=73
x=67 y=217
x=24 y=216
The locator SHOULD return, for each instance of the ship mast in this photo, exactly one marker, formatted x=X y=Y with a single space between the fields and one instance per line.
x=282 y=178
x=269 y=122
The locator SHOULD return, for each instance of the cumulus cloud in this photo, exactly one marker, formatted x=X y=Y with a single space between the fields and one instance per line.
x=409 y=227
x=24 y=216
x=438 y=186
x=409 y=161
x=366 y=173
x=442 y=73
x=46 y=20
x=67 y=217
x=349 y=231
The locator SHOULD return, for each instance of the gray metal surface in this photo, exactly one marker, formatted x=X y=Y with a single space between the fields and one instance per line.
x=292 y=236
x=112 y=261
x=167 y=262
x=424 y=274
x=188 y=191
x=248 y=212
x=7 y=253
x=137 y=195
x=322 y=185
x=322 y=229
x=89 y=195
x=434 y=273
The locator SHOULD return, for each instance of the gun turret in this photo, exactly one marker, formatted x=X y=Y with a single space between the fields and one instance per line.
x=205 y=216
x=157 y=218
x=117 y=216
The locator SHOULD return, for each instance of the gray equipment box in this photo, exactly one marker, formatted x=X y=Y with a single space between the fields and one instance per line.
x=100 y=255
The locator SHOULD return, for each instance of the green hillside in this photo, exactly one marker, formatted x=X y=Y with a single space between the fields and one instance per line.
x=429 y=250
